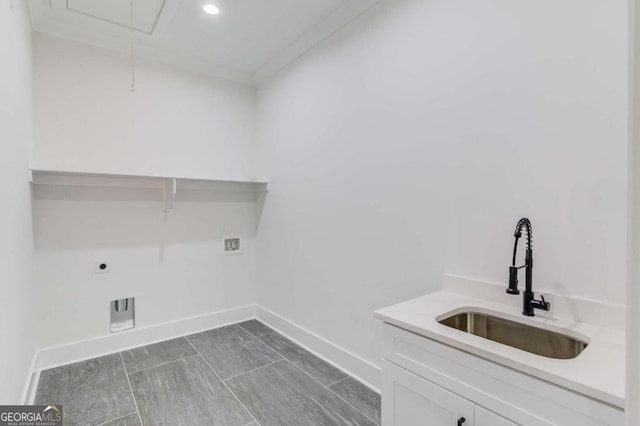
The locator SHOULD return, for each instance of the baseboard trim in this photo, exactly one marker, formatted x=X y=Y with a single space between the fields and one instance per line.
x=28 y=394
x=361 y=369
x=104 y=345
x=52 y=357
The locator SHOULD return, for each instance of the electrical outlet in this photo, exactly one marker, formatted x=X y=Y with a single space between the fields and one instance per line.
x=103 y=266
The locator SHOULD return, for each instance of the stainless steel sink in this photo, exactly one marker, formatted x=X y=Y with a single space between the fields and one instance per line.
x=528 y=338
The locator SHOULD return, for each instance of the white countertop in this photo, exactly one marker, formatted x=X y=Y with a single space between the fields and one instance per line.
x=598 y=372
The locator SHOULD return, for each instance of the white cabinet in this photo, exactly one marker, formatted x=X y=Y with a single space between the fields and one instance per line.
x=484 y=417
x=426 y=383
x=411 y=400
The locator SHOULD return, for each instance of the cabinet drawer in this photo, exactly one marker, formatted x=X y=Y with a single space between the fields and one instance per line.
x=410 y=400
x=484 y=417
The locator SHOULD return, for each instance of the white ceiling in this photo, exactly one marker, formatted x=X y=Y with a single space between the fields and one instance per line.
x=247 y=42
x=118 y=12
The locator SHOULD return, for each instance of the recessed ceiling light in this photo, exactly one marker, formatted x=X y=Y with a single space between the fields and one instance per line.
x=211 y=9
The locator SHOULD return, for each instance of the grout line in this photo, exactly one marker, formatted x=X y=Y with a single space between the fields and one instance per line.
x=317 y=381
x=224 y=383
x=133 y=395
x=261 y=335
x=117 y=418
x=310 y=353
x=164 y=363
x=255 y=369
x=247 y=331
x=259 y=339
x=321 y=347
x=123 y=364
x=330 y=390
x=274 y=349
x=255 y=335
x=344 y=378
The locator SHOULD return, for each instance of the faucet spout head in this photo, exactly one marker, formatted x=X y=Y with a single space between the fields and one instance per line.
x=513 y=281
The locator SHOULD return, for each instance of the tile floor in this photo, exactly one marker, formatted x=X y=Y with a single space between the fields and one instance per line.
x=244 y=374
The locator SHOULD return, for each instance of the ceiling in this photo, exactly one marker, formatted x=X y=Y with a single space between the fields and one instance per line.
x=247 y=42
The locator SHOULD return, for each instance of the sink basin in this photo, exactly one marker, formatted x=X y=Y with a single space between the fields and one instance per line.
x=539 y=341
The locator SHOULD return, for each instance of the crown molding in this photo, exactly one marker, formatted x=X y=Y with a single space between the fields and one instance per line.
x=113 y=37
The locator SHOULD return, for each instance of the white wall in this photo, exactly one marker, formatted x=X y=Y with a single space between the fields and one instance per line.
x=411 y=142
x=177 y=122
x=632 y=407
x=175 y=268
x=16 y=241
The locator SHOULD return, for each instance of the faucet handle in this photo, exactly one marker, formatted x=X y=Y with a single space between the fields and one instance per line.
x=539 y=304
x=545 y=305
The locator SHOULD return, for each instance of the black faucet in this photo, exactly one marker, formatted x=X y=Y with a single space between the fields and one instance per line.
x=529 y=303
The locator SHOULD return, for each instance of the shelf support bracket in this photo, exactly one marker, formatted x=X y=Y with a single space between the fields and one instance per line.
x=169 y=193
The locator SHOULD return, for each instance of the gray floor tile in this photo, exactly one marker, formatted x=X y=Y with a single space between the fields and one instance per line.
x=186 y=392
x=281 y=394
x=360 y=396
x=130 y=420
x=90 y=392
x=320 y=370
x=232 y=350
x=256 y=328
x=156 y=354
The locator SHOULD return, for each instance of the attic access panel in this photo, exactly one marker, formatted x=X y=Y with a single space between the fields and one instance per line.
x=145 y=12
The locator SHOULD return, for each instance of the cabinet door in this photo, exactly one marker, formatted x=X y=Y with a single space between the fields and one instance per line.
x=410 y=400
x=484 y=417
